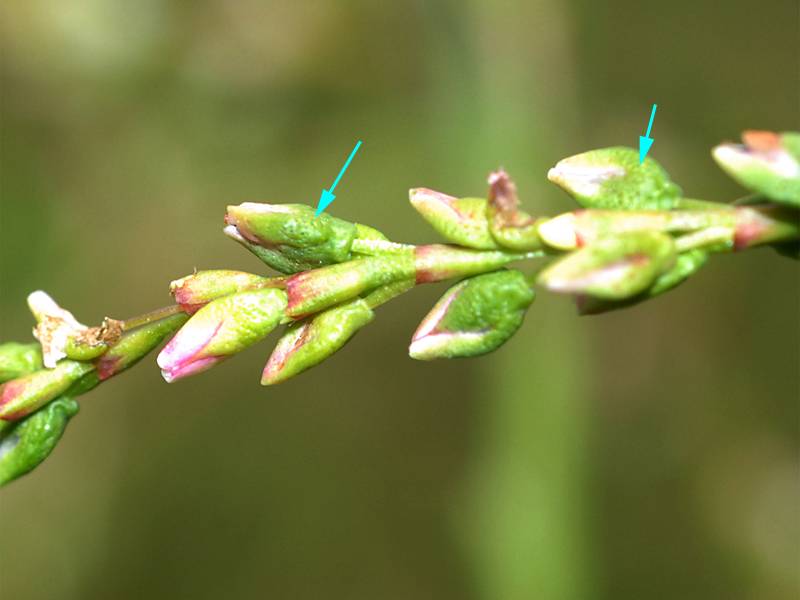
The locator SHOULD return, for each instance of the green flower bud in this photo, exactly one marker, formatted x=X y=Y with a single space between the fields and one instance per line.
x=474 y=317
x=272 y=258
x=220 y=329
x=17 y=360
x=686 y=264
x=583 y=227
x=29 y=441
x=22 y=396
x=129 y=350
x=462 y=221
x=613 y=178
x=307 y=343
x=196 y=290
x=313 y=291
x=61 y=335
x=767 y=163
x=436 y=262
x=135 y=345
x=295 y=239
x=612 y=268
x=510 y=227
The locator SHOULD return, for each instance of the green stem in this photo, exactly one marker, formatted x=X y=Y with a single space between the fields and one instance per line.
x=150 y=317
x=383 y=294
x=711 y=238
x=380 y=247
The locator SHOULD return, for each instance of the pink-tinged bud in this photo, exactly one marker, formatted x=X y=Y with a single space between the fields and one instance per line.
x=292 y=237
x=766 y=163
x=313 y=291
x=763 y=224
x=309 y=342
x=462 y=221
x=22 y=396
x=510 y=227
x=473 y=317
x=685 y=266
x=437 y=262
x=583 y=227
x=614 y=178
x=194 y=291
x=220 y=329
x=613 y=268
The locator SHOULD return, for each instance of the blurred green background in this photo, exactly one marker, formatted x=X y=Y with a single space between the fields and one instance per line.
x=651 y=453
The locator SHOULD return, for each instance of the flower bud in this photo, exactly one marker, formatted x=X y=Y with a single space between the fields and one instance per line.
x=613 y=178
x=767 y=163
x=270 y=257
x=686 y=264
x=764 y=224
x=29 y=441
x=612 y=268
x=220 y=329
x=583 y=227
x=462 y=221
x=436 y=262
x=135 y=345
x=510 y=227
x=17 y=360
x=22 y=396
x=61 y=335
x=307 y=343
x=296 y=239
x=196 y=290
x=312 y=291
x=473 y=317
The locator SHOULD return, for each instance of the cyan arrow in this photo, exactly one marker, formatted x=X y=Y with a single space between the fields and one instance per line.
x=645 y=141
x=327 y=196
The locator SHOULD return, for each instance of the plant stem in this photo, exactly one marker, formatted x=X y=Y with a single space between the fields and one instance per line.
x=388 y=292
x=380 y=247
x=711 y=238
x=150 y=317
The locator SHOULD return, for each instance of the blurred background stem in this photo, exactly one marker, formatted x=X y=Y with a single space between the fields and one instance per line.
x=523 y=523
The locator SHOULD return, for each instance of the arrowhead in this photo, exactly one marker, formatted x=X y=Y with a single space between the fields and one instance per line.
x=325 y=198
x=644 y=147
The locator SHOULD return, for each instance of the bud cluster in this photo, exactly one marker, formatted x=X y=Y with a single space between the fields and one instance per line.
x=37 y=402
x=633 y=237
